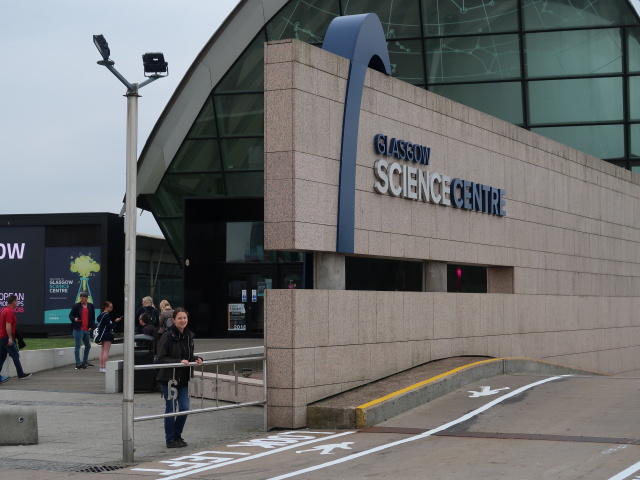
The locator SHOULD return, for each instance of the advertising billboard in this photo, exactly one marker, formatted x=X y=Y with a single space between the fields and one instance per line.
x=69 y=271
x=22 y=271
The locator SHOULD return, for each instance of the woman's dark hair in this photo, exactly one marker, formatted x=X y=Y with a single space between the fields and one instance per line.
x=176 y=311
x=106 y=304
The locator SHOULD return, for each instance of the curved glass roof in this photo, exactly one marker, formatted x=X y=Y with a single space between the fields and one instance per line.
x=566 y=69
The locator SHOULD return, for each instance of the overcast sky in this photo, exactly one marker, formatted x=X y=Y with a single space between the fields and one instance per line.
x=63 y=117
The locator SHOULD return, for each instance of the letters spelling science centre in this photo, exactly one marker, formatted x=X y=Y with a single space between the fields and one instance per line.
x=417 y=184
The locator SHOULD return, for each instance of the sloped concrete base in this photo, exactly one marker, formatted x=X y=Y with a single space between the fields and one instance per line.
x=363 y=408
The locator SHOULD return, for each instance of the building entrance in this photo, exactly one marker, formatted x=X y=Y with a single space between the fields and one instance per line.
x=246 y=285
x=227 y=270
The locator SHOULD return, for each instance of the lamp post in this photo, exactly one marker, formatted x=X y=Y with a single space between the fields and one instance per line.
x=154 y=68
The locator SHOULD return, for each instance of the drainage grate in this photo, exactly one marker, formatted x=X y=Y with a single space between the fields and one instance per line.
x=30 y=464
x=101 y=469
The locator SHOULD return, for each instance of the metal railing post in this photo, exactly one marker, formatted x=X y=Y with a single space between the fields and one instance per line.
x=264 y=391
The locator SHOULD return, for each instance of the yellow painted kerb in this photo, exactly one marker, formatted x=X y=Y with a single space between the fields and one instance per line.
x=361 y=409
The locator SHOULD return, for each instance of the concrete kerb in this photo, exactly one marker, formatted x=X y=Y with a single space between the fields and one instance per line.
x=45 y=359
x=381 y=409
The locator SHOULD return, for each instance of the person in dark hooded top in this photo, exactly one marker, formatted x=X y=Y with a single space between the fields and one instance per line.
x=176 y=346
x=149 y=308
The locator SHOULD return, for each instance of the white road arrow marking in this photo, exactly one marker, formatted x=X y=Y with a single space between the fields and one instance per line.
x=327 y=449
x=485 y=391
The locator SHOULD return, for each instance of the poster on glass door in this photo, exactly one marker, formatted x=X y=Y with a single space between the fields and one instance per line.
x=236 y=318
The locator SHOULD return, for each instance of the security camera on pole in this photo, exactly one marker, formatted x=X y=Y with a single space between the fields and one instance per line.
x=154 y=68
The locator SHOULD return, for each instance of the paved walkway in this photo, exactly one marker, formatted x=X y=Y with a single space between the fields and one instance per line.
x=80 y=425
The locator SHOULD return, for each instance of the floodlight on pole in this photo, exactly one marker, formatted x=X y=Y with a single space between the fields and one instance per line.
x=157 y=66
x=154 y=64
x=103 y=47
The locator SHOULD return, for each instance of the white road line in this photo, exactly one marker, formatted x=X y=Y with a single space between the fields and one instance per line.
x=625 y=473
x=422 y=435
x=252 y=457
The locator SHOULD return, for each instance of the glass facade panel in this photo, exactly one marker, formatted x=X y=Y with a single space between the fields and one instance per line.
x=382 y=275
x=634 y=130
x=245 y=184
x=245 y=242
x=547 y=14
x=466 y=279
x=578 y=52
x=576 y=100
x=288 y=257
x=172 y=229
x=621 y=164
x=246 y=74
x=304 y=20
x=164 y=205
x=602 y=141
x=446 y=17
x=240 y=114
x=197 y=156
x=192 y=185
x=479 y=42
x=634 y=98
x=205 y=124
x=399 y=18
x=472 y=59
x=502 y=100
x=243 y=153
x=633 y=47
x=406 y=60
x=635 y=167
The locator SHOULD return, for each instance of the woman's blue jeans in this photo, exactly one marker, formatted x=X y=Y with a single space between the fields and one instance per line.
x=173 y=426
x=84 y=337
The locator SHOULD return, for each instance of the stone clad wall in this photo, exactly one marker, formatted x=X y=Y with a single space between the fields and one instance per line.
x=571 y=237
x=323 y=342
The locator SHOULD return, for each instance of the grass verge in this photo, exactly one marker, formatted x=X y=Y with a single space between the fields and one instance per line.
x=40 y=343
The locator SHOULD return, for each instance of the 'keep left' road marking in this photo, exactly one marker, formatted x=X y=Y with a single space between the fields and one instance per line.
x=485 y=391
x=203 y=461
x=328 y=449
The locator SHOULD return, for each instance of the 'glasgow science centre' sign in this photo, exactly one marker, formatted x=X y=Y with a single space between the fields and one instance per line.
x=415 y=183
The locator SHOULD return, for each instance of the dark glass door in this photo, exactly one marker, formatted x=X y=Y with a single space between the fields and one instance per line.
x=244 y=308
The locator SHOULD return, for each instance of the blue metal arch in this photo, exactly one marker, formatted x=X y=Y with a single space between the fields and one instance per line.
x=360 y=39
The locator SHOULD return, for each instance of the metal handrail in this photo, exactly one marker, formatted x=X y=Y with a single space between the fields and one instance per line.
x=217 y=363
x=156 y=366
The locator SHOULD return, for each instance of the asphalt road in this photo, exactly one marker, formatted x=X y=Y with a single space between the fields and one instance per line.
x=508 y=427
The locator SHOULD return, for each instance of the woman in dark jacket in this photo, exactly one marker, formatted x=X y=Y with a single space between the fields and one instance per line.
x=105 y=335
x=176 y=346
x=149 y=308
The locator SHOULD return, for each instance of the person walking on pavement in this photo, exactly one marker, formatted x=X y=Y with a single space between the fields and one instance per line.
x=83 y=318
x=176 y=346
x=166 y=316
x=8 y=323
x=105 y=333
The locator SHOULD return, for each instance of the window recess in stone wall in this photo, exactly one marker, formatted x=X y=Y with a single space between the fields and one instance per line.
x=377 y=274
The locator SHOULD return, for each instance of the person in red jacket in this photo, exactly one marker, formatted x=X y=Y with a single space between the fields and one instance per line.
x=7 y=338
x=83 y=319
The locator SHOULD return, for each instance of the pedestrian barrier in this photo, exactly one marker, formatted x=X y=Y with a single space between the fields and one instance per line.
x=215 y=382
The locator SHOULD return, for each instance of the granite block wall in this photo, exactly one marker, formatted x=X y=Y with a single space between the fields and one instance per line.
x=568 y=249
